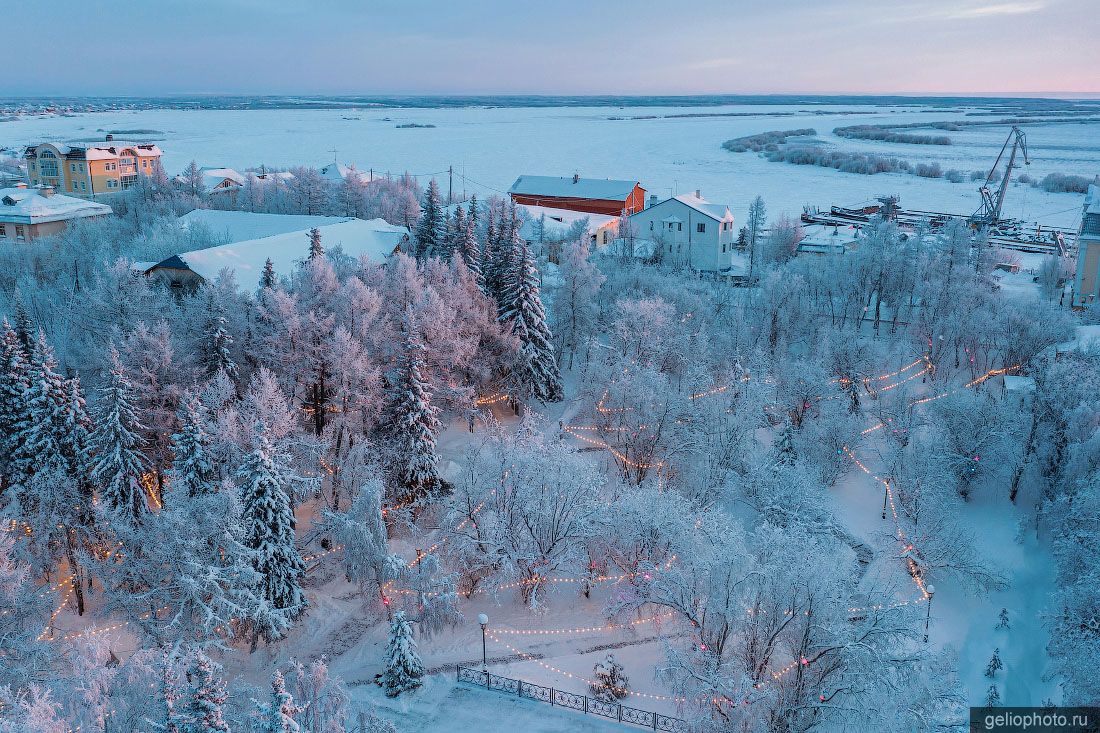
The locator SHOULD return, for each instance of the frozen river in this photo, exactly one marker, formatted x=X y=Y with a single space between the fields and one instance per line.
x=668 y=149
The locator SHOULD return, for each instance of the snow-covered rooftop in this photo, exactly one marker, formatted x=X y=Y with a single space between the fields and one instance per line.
x=821 y=238
x=718 y=212
x=108 y=149
x=239 y=226
x=29 y=206
x=339 y=171
x=375 y=239
x=557 y=222
x=573 y=187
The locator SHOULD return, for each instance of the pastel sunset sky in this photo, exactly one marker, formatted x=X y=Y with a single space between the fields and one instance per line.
x=148 y=47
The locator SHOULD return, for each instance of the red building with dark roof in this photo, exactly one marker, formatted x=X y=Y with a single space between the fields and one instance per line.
x=588 y=195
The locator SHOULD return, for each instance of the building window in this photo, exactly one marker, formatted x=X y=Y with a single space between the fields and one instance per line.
x=111 y=183
x=82 y=186
x=48 y=167
x=3 y=231
x=129 y=181
x=651 y=226
x=18 y=232
x=723 y=248
x=679 y=226
x=701 y=228
x=72 y=167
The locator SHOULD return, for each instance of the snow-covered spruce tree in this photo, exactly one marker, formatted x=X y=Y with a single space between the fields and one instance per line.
x=404 y=669
x=316 y=248
x=168 y=695
x=202 y=708
x=268 y=278
x=470 y=249
x=24 y=326
x=993 y=697
x=118 y=463
x=13 y=406
x=504 y=261
x=410 y=424
x=279 y=715
x=785 y=453
x=192 y=471
x=536 y=370
x=268 y=524
x=995 y=664
x=1002 y=620
x=611 y=685
x=456 y=233
x=218 y=341
x=429 y=229
x=48 y=469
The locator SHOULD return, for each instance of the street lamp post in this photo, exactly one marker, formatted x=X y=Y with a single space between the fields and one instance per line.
x=931 y=589
x=483 y=620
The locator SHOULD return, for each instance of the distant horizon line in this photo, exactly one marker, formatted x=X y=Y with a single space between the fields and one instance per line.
x=1053 y=95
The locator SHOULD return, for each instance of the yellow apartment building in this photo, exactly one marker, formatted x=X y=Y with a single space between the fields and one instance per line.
x=90 y=169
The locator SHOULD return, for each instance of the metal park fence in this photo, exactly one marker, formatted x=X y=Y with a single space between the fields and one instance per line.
x=581 y=703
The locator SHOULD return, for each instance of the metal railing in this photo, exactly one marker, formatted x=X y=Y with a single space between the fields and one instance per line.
x=581 y=703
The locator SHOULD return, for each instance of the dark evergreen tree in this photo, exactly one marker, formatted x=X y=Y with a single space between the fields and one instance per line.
x=429 y=229
x=192 y=472
x=206 y=696
x=995 y=664
x=785 y=454
x=268 y=530
x=278 y=716
x=410 y=425
x=457 y=234
x=404 y=669
x=118 y=464
x=268 y=278
x=610 y=684
x=471 y=255
x=49 y=470
x=316 y=249
x=24 y=327
x=536 y=370
x=218 y=354
x=473 y=214
x=13 y=406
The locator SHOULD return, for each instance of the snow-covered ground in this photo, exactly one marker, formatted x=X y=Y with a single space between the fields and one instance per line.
x=490 y=147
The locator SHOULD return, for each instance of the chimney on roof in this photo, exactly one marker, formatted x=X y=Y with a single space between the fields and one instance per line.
x=576 y=177
x=110 y=137
x=652 y=200
x=21 y=184
x=46 y=191
x=698 y=193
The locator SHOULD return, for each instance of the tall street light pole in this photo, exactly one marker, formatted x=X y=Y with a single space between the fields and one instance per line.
x=928 y=612
x=483 y=620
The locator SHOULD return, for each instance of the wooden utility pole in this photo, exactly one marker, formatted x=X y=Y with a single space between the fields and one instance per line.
x=450 y=183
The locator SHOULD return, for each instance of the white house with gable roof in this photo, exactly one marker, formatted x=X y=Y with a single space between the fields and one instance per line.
x=689 y=229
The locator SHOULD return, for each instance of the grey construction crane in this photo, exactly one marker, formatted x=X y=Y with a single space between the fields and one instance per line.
x=990 y=211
